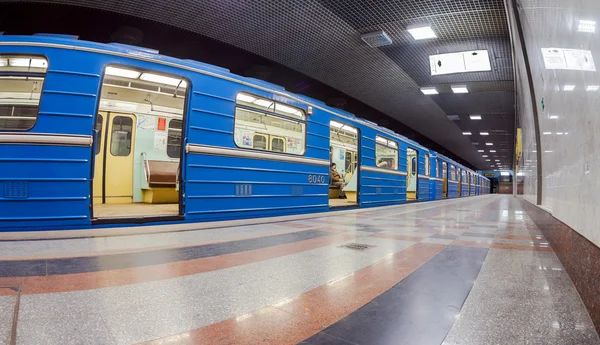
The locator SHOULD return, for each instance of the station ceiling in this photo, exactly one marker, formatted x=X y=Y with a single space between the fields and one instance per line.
x=322 y=39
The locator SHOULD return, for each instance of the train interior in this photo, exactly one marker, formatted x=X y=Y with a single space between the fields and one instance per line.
x=411 y=178
x=444 y=180
x=20 y=93
x=280 y=131
x=137 y=144
x=344 y=154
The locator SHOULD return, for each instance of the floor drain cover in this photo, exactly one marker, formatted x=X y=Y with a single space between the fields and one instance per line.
x=356 y=246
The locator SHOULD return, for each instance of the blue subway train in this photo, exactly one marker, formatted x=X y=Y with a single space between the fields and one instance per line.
x=96 y=135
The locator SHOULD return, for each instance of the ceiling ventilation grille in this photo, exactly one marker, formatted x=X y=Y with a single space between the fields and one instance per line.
x=376 y=39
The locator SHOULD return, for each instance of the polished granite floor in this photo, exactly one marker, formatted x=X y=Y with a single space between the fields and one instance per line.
x=469 y=271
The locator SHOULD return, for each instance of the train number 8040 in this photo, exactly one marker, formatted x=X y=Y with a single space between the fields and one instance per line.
x=320 y=179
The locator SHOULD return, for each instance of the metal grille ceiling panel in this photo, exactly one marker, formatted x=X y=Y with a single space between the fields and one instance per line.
x=449 y=19
x=323 y=42
x=489 y=102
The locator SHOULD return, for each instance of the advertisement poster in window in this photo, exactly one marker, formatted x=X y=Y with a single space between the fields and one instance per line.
x=160 y=141
x=247 y=138
x=292 y=144
x=145 y=121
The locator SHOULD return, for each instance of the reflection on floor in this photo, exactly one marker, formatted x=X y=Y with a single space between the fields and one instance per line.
x=471 y=271
x=341 y=203
x=135 y=210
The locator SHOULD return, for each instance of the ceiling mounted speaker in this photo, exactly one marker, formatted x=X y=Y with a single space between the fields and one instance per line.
x=376 y=39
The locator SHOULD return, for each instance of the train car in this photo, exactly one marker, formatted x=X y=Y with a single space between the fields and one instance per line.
x=471 y=183
x=464 y=182
x=433 y=177
x=98 y=135
x=453 y=180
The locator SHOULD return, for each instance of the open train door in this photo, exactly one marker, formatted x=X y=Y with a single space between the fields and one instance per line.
x=138 y=144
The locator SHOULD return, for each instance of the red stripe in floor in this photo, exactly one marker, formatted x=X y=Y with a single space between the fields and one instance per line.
x=298 y=318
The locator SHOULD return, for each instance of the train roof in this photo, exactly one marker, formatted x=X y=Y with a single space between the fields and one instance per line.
x=135 y=52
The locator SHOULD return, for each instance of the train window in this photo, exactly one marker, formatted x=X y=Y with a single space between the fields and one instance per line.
x=98 y=128
x=277 y=144
x=427 y=171
x=452 y=173
x=21 y=82
x=386 y=153
x=174 y=139
x=259 y=141
x=264 y=124
x=120 y=142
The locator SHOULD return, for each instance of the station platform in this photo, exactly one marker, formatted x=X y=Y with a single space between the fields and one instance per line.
x=466 y=271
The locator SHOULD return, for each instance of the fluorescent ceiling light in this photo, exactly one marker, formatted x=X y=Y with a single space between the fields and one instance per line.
x=459 y=89
x=569 y=87
x=286 y=109
x=553 y=117
x=122 y=72
x=547 y=133
x=493 y=151
x=429 y=91
x=559 y=133
x=489 y=144
x=245 y=98
x=484 y=156
x=548 y=151
x=161 y=79
x=263 y=103
x=336 y=124
x=3 y=62
x=466 y=133
x=589 y=88
x=349 y=129
x=497 y=160
x=587 y=26
x=480 y=150
x=421 y=32
x=484 y=133
x=487 y=160
x=27 y=62
x=475 y=117
x=461 y=62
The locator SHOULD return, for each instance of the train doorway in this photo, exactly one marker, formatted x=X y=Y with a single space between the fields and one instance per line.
x=343 y=158
x=460 y=181
x=138 y=145
x=444 y=180
x=412 y=176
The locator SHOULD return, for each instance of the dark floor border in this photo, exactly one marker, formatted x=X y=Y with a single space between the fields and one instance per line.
x=46 y=267
x=419 y=310
x=579 y=256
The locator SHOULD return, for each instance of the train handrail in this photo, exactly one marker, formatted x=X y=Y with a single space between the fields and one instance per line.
x=146 y=167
